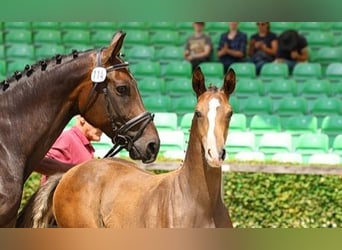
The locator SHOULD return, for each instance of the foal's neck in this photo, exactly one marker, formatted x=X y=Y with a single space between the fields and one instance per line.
x=203 y=179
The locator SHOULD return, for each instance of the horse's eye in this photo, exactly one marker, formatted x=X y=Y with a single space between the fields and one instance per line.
x=122 y=90
x=229 y=115
x=198 y=113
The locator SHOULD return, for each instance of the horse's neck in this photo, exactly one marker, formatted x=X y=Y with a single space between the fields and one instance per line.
x=204 y=181
x=35 y=110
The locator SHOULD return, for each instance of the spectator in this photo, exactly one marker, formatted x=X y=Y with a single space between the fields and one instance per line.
x=293 y=48
x=73 y=146
x=232 y=46
x=263 y=46
x=198 y=47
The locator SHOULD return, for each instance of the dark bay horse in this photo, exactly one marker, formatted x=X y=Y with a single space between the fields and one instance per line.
x=37 y=103
x=120 y=195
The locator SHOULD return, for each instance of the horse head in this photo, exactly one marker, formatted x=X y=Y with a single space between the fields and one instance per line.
x=110 y=100
x=212 y=115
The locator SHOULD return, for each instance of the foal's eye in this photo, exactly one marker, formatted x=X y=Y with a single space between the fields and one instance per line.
x=122 y=90
x=198 y=113
x=229 y=115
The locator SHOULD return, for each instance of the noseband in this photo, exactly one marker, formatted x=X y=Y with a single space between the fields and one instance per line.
x=121 y=139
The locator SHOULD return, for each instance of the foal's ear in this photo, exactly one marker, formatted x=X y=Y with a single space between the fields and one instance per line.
x=115 y=46
x=229 y=82
x=198 y=84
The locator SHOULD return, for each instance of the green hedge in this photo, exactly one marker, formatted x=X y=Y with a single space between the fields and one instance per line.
x=260 y=200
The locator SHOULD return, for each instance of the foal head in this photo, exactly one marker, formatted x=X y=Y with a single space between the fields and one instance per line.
x=212 y=116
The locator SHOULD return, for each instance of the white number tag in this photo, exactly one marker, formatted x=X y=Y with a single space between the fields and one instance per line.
x=98 y=74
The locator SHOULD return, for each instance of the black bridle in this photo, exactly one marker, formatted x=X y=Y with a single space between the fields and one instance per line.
x=121 y=139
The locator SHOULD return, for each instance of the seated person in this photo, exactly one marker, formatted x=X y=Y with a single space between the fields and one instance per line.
x=198 y=47
x=263 y=46
x=232 y=46
x=293 y=48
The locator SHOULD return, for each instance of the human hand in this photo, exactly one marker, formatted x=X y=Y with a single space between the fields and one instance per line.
x=294 y=55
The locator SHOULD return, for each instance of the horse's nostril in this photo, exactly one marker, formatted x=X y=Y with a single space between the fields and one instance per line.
x=223 y=154
x=153 y=147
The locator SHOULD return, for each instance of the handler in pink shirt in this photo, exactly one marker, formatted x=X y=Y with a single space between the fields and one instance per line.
x=73 y=146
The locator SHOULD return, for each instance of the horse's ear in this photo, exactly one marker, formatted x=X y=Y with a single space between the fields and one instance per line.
x=115 y=46
x=229 y=82
x=198 y=83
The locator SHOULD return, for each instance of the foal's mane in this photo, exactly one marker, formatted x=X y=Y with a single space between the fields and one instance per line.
x=40 y=67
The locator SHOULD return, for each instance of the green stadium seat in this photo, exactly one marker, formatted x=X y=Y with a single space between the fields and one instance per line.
x=337 y=42
x=239 y=142
x=270 y=71
x=179 y=87
x=183 y=37
x=141 y=53
x=18 y=36
x=263 y=123
x=327 y=55
x=337 y=145
x=2 y=38
x=216 y=27
x=73 y=37
x=185 y=123
x=336 y=27
x=275 y=142
x=2 y=52
x=147 y=68
x=158 y=103
x=325 y=158
x=3 y=68
x=326 y=106
x=306 y=27
x=318 y=39
x=238 y=122
x=258 y=105
x=74 y=26
x=131 y=26
x=254 y=156
x=20 y=51
x=298 y=125
x=334 y=71
x=45 y=26
x=177 y=69
x=248 y=27
x=304 y=71
x=17 y=65
x=184 y=27
x=336 y=89
x=279 y=27
x=248 y=88
x=309 y=144
x=47 y=36
x=101 y=38
x=97 y=26
x=164 y=38
x=212 y=69
x=313 y=89
x=17 y=25
x=170 y=53
x=331 y=125
x=165 y=120
x=49 y=50
x=151 y=86
x=183 y=104
x=280 y=88
x=288 y=157
x=172 y=144
x=156 y=26
x=137 y=37
x=290 y=106
x=237 y=104
x=244 y=70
